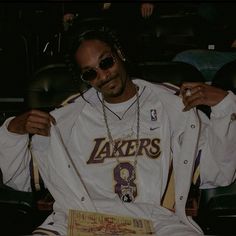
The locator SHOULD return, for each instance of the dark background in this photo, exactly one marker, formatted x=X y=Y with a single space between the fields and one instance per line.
x=32 y=35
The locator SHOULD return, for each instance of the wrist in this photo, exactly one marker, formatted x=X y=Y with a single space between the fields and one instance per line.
x=13 y=127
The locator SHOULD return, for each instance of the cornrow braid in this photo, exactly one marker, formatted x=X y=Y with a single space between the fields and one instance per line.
x=104 y=34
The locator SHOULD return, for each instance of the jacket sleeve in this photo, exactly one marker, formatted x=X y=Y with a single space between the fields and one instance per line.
x=218 y=159
x=14 y=159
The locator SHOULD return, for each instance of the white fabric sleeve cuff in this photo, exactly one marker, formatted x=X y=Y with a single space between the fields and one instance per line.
x=228 y=104
x=8 y=138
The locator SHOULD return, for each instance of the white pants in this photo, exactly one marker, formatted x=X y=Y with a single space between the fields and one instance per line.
x=165 y=222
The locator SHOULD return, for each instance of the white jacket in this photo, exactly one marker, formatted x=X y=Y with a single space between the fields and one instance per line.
x=185 y=134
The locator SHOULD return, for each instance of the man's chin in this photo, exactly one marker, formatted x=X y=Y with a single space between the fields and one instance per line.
x=113 y=92
x=114 y=88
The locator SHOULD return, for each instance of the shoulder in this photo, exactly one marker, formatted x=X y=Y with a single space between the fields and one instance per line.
x=72 y=106
x=159 y=87
x=165 y=92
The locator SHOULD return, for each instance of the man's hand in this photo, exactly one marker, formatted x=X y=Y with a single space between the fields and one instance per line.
x=147 y=10
x=195 y=94
x=32 y=122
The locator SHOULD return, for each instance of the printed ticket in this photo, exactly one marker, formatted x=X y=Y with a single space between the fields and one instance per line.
x=81 y=223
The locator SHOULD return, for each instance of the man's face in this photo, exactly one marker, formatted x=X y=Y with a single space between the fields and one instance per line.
x=104 y=68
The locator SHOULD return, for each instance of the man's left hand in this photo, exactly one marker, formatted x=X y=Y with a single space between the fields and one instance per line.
x=195 y=93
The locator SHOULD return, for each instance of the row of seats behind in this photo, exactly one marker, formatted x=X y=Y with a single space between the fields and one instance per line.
x=54 y=83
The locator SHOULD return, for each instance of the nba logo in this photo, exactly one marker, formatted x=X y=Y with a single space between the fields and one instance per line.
x=153 y=114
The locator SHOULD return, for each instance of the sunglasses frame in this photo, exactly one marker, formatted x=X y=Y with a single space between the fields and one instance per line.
x=99 y=66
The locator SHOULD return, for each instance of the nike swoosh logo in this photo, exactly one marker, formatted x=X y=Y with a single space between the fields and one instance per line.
x=154 y=128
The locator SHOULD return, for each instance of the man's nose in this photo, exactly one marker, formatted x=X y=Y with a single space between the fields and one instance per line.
x=103 y=74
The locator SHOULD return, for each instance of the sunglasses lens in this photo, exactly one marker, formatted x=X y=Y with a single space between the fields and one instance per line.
x=89 y=75
x=106 y=63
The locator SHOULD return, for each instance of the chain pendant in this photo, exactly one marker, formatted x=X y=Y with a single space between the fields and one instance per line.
x=127 y=194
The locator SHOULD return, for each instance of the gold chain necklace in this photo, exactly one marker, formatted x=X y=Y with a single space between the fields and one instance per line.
x=127 y=191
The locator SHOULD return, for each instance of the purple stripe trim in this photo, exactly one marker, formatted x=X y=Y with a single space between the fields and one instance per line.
x=73 y=99
x=170 y=87
x=38 y=230
x=31 y=174
x=197 y=161
x=32 y=180
x=168 y=182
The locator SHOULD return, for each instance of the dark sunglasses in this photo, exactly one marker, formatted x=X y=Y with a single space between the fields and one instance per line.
x=104 y=64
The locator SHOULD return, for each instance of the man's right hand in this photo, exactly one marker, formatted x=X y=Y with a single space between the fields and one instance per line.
x=32 y=122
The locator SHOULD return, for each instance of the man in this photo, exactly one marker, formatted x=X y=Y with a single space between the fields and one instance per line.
x=110 y=151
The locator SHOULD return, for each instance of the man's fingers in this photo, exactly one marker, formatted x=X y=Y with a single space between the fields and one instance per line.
x=39 y=122
x=32 y=122
x=38 y=125
x=44 y=132
x=193 y=96
x=193 y=102
x=41 y=117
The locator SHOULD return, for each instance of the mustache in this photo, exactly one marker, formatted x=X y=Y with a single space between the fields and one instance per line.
x=105 y=82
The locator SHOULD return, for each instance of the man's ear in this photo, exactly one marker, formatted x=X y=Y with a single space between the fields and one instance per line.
x=120 y=54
